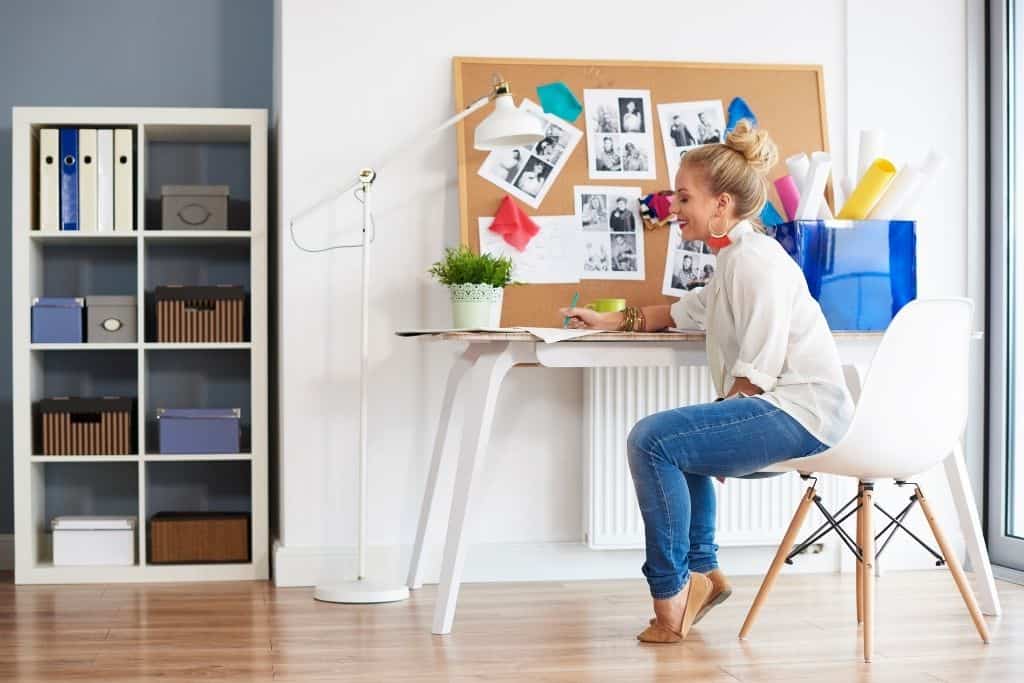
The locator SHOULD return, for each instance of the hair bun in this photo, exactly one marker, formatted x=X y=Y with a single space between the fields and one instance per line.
x=755 y=146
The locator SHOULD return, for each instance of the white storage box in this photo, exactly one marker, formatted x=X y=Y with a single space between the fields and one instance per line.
x=93 y=540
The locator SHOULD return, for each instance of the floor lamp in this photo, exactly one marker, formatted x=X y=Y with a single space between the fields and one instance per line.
x=506 y=126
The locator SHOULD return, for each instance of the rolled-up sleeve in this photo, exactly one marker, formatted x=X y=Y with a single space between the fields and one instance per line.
x=762 y=307
x=691 y=310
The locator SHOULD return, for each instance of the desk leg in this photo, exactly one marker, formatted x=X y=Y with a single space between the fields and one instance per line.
x=970 y=526
x=485 y=379
x=459 y=368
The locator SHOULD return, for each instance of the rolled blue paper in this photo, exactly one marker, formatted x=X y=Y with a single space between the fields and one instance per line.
x=770 y=216
x=556 y=98
x=739 y=110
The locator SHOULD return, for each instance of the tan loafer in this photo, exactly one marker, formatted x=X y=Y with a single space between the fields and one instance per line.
x=700 y=589
x=720 y=592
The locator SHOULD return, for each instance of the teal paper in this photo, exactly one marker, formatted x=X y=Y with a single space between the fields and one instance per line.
x=556 y=98
x=770 y=215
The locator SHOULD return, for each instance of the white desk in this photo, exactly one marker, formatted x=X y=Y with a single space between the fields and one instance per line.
x=475 y=381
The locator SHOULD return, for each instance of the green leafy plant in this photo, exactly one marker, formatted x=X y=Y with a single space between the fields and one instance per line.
x=461 y=266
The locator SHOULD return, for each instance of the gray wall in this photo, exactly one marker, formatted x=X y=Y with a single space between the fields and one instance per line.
x=182 y=53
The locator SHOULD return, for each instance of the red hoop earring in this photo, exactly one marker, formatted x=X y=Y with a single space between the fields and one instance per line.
x=718 y=241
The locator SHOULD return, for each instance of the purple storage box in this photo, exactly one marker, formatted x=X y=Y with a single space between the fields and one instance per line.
x=199 y=430
x=58 y=320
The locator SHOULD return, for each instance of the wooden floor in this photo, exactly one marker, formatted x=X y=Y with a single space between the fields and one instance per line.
x=580 y=631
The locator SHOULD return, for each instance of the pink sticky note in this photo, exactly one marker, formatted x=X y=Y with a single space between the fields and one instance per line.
x=789 y=194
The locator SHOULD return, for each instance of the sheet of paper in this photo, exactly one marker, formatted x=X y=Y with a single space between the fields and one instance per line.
x=620 y=134
x=686 y=126
x=550 y=335
x=613 y=234
x=554 y=255
x=688 y=264
x=527 y=173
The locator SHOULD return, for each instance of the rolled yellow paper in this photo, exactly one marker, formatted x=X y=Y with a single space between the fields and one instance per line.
x=869 y=190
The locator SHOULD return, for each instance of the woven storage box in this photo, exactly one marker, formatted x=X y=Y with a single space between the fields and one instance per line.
x=200 y=314
x=86 y=426
x=193 y=538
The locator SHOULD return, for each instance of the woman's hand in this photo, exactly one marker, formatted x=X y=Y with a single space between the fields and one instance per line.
x=584 y=318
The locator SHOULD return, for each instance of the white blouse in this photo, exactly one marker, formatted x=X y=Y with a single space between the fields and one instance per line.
x=762 y=324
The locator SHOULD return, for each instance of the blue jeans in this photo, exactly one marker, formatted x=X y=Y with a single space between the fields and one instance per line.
x=674 y=454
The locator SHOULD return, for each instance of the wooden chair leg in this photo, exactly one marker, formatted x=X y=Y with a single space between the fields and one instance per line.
x=867 y=535
x=780 y=558
x=954 y=567
x=859 y=564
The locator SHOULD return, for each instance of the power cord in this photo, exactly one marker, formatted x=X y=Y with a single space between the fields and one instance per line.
x=358 y=194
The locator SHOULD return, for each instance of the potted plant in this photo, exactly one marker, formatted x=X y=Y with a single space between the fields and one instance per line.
x=477 y=284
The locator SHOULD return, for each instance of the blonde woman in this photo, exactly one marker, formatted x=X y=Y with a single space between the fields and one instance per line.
x=770 y=352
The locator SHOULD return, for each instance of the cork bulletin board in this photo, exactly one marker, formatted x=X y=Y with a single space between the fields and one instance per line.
x=788 y=100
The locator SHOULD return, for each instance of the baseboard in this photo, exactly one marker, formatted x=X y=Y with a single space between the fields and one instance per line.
x=488 y=562
x=1006 y=574
x=6 y=552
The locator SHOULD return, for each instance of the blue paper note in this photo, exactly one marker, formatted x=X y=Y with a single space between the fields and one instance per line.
x=556 y=98
x=770 y=216
x=738 y=110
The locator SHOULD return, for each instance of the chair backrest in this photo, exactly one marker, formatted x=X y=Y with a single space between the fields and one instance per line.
x=913 y=405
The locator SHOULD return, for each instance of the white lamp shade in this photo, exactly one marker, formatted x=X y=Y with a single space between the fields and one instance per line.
x=507 y=127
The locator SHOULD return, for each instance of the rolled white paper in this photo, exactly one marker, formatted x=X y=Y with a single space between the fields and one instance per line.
x=930 y=167
x=812 y=196
x=871 y=142
x=847 y=186
x=798 y=165
x=901 y=190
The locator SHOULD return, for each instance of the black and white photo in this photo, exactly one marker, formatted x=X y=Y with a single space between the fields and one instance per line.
x=688 y=263
x=593 y=210
x=620 y=137
x=607 y=214
x=686 y=125
x=528 y=173
x=624 y=257
x=533 y=176
x=595 y=255
x=631 y=115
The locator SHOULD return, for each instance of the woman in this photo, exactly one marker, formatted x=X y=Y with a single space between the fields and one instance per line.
x=633 y=159
x=531 y=180
x=770 y=353
x=632 y=121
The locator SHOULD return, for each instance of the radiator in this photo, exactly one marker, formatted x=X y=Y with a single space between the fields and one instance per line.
x=750 y=512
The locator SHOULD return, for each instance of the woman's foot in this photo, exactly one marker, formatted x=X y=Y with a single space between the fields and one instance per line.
x=674 y=616
x=721 y=589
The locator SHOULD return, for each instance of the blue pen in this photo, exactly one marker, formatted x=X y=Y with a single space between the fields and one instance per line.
x=575 y=300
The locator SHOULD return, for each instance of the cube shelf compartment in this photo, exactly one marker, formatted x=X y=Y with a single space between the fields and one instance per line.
x=173 y=146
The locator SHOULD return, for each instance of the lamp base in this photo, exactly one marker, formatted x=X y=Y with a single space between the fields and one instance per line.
x=360 y=592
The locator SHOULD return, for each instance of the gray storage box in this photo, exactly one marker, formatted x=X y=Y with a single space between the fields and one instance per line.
x=194 y=207
x=199 y=430
x=111 y=319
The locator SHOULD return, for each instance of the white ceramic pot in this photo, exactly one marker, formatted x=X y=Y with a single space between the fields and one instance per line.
x=476 y=305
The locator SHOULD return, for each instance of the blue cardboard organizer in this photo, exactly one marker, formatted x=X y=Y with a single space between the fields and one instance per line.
x=860 y=272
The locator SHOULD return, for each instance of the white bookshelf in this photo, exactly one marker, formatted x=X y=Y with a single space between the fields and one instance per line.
x=153 y=373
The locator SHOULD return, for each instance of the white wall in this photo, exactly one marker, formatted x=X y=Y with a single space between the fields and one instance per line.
x=355 y=80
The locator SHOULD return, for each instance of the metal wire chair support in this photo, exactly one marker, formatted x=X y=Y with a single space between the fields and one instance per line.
x=833 y=522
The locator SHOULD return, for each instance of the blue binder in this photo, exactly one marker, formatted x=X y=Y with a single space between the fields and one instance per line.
x=69 y=179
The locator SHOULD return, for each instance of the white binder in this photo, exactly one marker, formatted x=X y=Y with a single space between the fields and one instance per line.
x=105 y=179
x=87 y=216
x=124 y=180
x=49 y=180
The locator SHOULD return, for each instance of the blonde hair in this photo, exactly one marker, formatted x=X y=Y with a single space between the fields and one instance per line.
x=739 y=167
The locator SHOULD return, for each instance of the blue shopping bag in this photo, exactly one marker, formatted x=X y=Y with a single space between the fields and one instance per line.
x=860 y=272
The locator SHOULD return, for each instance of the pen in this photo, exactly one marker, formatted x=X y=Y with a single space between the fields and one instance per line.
x=575 y=299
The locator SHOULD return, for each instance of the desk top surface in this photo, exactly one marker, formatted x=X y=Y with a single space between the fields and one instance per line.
x=615 y=336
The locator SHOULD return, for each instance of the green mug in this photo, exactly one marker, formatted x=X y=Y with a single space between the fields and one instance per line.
x=606 y=305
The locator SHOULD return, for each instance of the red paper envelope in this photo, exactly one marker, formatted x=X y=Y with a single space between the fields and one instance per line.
x=513 y=224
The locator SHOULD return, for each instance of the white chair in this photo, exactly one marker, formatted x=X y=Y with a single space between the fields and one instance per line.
x=910 y=416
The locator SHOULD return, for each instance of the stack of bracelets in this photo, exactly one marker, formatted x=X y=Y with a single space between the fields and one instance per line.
x=633 y=320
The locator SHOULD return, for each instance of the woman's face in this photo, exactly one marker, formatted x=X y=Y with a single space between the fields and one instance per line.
x=695 y=207
x=595 y=203
x=631 y=106
x=687 y=263
x=607 y=145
